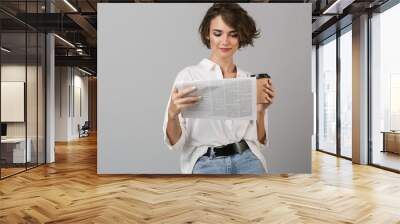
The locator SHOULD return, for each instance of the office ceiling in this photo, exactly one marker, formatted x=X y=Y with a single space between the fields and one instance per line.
x=77 y=22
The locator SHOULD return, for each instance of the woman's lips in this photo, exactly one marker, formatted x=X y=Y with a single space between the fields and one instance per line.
x=225 y=49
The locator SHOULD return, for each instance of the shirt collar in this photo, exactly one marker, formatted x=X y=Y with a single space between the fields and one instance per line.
x=210 y=65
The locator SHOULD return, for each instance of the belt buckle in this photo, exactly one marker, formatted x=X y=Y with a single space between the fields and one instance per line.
x=219 y=147
x=237 y=147
x=212 y=153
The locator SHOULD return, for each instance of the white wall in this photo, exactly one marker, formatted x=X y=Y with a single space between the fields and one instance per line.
x=138 y=60
x=314 y=91
x=15 y=73
x=12 y=73
x=68 y=81
x=33 y=127
x=61 y=103
x=80 y=83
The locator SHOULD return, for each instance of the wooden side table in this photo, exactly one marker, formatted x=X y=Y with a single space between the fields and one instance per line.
x=391 y=141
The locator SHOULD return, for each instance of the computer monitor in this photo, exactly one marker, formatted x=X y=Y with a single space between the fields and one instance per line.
x=3 y=129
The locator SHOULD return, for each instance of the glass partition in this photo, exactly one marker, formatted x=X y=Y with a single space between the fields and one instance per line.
x=22 y=77
x=32 y=95
x=346 y=93
x=327 y=96
x=385 y=89
x=41 y=87
x=14 y=154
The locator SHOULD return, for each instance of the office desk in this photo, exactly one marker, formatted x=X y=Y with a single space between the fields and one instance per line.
x=391 y=141
x=13 y=150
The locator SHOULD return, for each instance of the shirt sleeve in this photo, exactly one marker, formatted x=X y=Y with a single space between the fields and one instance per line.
x=182 y=140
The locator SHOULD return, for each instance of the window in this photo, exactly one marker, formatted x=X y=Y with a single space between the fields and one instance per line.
x=346 y=93
x=327 y=96
x=394 y=102
x=385 y=88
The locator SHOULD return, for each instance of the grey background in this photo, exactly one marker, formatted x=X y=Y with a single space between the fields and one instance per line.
x=142 y=47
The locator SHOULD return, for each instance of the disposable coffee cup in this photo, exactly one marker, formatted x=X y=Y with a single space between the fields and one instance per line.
x=261 y=76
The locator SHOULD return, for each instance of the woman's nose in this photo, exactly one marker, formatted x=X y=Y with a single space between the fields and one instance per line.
x=225 y=40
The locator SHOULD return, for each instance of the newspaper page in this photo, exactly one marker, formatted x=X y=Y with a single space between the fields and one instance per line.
x=233 y=99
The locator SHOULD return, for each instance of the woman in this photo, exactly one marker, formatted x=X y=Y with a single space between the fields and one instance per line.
x=219 y=146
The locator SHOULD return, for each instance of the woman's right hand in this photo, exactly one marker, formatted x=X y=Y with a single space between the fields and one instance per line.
x=180 y=100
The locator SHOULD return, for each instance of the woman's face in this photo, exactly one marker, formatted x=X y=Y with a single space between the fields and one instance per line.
x=224 y=41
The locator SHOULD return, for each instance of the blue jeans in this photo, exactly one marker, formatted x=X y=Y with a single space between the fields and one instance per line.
x=245 y=163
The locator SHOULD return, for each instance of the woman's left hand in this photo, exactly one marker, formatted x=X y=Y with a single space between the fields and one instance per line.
x=265 y=94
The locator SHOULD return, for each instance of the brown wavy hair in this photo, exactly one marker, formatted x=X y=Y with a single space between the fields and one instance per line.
x=234 y=16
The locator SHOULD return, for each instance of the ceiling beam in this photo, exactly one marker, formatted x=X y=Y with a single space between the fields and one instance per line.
x=83 y=23
x=337 y=6
x=85 y=61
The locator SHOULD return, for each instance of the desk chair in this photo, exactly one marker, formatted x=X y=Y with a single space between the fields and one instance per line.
x=84 y=130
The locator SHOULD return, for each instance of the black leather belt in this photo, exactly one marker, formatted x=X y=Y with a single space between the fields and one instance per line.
x=227 y=150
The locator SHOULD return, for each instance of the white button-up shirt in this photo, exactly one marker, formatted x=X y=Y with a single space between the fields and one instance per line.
x=199 y=134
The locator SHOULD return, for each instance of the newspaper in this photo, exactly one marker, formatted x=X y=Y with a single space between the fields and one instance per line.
x=223 y=99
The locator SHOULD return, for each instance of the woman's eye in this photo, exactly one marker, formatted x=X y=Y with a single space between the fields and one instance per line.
x=217 y=34
x=234 y=35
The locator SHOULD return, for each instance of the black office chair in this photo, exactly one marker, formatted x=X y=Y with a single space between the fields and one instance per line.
x=84 y=130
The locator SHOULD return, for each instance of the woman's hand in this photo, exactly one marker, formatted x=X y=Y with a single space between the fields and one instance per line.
x=265 y=94
x=180 y=100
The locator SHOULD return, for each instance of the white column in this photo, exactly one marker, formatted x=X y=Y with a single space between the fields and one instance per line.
x=50 y=92
x=314 y=93
x=360 y=90
x=50 y=110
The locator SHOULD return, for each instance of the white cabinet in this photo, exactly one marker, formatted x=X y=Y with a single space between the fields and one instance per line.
x=18 y=149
